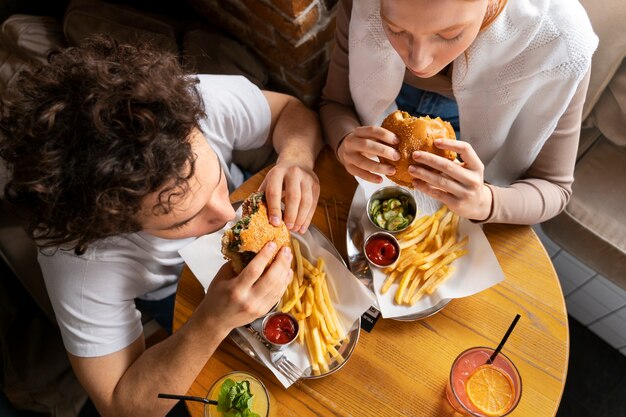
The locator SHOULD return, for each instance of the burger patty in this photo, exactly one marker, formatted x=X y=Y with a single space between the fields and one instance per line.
x=251 y=204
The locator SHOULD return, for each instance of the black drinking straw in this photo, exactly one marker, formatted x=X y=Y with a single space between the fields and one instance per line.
x=187 y=398
x=503 y=341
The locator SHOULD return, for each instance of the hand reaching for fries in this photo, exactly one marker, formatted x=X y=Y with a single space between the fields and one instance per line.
x=428 y=248
x=307 y=298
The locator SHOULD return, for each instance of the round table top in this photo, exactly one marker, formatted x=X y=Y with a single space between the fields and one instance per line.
x=401 y=368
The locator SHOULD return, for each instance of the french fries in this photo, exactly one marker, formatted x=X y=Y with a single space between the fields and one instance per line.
x=427 y=248
x=308 y=299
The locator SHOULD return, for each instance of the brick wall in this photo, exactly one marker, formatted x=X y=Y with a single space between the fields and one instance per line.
x=292 y=37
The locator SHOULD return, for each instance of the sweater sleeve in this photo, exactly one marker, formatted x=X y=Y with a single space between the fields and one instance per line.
x=546 y=187
x=337 y=112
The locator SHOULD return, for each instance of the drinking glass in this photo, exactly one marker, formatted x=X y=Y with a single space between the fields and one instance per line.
x=484 y=377
x=261 y=403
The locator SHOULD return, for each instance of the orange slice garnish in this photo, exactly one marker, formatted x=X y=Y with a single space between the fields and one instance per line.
x=490 y=390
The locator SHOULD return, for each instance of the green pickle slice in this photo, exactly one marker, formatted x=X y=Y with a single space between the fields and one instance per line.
x=375 y=207
x=393 y=203
x=391 y=214
x=380 y=220
x=396 y=223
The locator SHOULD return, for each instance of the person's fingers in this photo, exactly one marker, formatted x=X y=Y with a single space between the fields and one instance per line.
x=306 y=201
x=467 y=152
x=292 y=200
x=273 y=187
x=372 y=166
x=272 y=284
x=437 y=179
x=373 y=148
x=257 y=265
x=313 y=206
x=451 y=144
x=309 y=217
x=378 y=133
x=361 y=173
x=449 y=168
x=366 y=142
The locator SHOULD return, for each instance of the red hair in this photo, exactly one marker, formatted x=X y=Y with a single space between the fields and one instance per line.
x=491 y=15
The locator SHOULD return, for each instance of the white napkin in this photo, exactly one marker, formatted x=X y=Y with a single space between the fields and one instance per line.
x=204 y=258
x=476 y=271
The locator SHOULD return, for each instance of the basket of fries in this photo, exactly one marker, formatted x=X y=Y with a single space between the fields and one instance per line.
x=442 y=257
x=327 y=301
x=324 y=297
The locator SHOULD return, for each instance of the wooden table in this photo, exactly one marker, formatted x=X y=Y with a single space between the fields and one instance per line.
x=401 y=368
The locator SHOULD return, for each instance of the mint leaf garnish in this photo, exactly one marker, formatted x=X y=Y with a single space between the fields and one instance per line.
x=235 y=399
x=223 y=399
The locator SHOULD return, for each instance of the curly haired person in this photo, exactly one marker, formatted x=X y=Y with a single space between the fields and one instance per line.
x=118 y=158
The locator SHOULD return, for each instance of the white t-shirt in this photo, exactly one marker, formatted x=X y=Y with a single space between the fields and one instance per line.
x=93 y=294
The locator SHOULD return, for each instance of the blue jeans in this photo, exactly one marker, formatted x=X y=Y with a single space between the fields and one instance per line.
x=160 y=310
x=424 y=103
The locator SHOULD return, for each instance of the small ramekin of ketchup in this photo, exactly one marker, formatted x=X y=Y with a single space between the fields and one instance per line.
x=382 y=249
x=280 y=329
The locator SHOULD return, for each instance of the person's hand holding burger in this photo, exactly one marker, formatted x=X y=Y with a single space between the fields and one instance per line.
x=428 y=149
x=358 y=147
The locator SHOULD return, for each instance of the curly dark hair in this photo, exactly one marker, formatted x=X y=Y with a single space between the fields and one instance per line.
x=89 y=135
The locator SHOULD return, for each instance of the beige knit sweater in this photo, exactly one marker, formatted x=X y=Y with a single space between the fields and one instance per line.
x=539 y=194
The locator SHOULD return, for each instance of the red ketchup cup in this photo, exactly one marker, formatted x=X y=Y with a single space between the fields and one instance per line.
x=280 y=329
x=381 y=249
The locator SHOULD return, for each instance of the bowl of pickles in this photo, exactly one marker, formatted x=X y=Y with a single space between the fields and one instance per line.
x=392 y=209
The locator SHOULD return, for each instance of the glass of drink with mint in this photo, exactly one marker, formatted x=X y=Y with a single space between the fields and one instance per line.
x=238 y=394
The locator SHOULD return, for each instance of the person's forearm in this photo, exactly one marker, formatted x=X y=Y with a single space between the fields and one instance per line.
x=337 y=112
x=171 y=366
x=297 y=135
x=528 y=201
x=337 y=120
x=547 y=187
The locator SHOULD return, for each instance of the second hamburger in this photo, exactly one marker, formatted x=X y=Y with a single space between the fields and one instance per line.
x=415 y=134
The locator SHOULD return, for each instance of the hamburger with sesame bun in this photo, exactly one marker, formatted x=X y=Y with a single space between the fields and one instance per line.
x=247 y=237
x=415 y=134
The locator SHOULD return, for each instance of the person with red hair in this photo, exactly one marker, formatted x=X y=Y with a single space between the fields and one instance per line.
x=511 y=78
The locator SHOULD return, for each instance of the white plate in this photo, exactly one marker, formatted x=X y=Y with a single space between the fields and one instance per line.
x=476 y=271
x=204 y=258
x=346 y=348
x=356 y=258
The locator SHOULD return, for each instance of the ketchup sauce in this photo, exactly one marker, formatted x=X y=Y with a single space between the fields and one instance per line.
x=381 y=251
x=280 y=329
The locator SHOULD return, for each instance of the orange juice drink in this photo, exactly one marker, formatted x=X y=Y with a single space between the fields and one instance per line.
x=479 y=389
x=260 y=394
